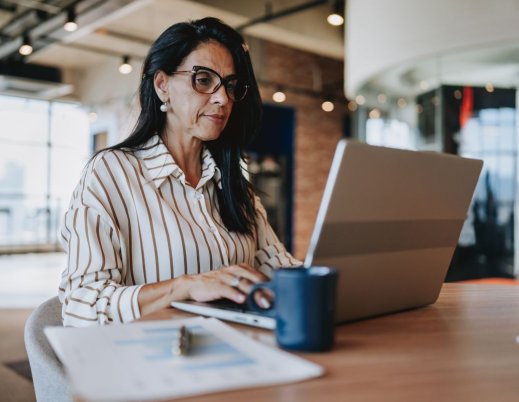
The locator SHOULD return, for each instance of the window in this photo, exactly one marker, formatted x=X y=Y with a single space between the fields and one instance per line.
x=43 y=148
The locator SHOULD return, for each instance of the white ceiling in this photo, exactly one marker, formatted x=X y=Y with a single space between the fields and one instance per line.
x=128 y=27
x=497 y=64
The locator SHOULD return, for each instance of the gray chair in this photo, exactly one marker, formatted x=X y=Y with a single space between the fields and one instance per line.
x=50 y=383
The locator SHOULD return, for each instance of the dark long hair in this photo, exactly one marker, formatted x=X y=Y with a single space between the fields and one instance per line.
x=235 y=199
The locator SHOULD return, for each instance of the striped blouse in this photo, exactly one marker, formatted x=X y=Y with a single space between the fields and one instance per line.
x=133 y=219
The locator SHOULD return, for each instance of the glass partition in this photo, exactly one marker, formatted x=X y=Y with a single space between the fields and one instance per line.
x=462 y=103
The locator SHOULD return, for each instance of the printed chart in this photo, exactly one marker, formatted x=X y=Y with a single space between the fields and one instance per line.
x=137 y=361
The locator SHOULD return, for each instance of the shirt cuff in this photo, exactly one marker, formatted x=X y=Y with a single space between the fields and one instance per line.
x=125 y=305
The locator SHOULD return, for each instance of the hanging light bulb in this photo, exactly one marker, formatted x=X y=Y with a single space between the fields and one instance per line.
x=26 y=48
x=125 y=67
x=71 y=24
x=335 y=18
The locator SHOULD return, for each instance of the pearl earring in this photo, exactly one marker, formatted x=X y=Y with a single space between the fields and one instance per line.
x=164 y=107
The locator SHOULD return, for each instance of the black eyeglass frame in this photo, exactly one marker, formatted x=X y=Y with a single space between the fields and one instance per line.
x=223 y=81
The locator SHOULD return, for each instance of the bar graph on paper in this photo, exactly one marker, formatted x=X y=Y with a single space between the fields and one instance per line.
x=207 y=351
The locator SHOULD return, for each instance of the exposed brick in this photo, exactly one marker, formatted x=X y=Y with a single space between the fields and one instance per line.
x=316 y=131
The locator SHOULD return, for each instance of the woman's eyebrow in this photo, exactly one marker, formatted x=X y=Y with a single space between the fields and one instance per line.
x=212 y=69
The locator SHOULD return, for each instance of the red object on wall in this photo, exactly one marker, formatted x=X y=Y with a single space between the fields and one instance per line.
x=467 y=105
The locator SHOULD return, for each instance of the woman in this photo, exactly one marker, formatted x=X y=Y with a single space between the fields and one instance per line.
x=167 y=214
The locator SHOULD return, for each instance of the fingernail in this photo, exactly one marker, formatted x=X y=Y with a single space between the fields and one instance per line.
x=264 y=302
x=240 y=298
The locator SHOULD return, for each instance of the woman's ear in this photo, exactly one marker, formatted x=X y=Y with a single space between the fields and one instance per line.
x=160 y=82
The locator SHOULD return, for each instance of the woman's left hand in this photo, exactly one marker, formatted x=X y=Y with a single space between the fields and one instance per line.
x=233 y=282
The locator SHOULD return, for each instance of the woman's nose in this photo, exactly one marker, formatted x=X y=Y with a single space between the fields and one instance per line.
x=220 y=96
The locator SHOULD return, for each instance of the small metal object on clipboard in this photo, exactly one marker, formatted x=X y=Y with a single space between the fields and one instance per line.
x=182 y=344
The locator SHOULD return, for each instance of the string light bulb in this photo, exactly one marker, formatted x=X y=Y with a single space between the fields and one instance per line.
x=374 y=114
x=352 y=106
x=327 y=106
x=279 y=96
x=70 y=24
x=125 y=67
x=360 y=100
x=489 y=87
x=26 y=48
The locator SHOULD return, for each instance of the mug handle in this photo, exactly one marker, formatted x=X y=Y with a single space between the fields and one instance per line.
x=251 y=303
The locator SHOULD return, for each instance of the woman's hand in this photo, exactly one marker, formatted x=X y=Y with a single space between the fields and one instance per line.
x=233 y=282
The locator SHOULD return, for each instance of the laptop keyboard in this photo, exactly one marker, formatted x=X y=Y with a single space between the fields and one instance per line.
x=226 y=304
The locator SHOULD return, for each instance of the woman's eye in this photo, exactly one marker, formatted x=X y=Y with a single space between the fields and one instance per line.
x=232 y=86
x=203 y=81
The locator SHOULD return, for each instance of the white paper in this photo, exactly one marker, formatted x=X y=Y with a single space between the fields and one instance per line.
x=135 y=361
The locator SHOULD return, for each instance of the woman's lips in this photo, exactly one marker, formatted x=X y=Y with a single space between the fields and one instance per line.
x=215 y=118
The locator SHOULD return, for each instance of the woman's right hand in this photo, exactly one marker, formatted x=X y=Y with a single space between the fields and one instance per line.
x=233 y=282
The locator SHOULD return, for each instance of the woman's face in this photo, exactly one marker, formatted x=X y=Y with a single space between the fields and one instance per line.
x=193 y=114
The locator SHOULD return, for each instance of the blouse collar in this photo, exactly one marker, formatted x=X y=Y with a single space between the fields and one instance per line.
x=160 y=164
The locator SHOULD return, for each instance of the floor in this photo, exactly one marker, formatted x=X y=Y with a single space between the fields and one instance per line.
x=25 y=282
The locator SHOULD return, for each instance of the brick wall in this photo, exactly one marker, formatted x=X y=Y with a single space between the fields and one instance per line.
x=316 y=131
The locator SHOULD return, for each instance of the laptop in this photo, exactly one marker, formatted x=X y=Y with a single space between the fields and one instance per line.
x=389 y=221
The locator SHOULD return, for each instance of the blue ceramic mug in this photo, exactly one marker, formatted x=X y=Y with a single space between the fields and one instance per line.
x=304 y=306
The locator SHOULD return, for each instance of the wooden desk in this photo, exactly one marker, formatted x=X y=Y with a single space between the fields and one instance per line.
x=463 y=348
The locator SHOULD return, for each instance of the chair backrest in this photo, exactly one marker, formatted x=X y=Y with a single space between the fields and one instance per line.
x=50 y=383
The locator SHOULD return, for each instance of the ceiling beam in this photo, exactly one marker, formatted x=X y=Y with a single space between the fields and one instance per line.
x=36 y=5
x=124 y=36
x=269 y=16
x=91 y=12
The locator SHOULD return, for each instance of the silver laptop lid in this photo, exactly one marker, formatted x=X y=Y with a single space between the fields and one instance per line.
x=390 y=220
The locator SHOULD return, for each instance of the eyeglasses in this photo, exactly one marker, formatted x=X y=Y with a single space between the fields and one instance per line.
x=207 y=81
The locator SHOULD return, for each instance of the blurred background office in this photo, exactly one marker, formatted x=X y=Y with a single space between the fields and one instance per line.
x=417 y=74
x=442 y=76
